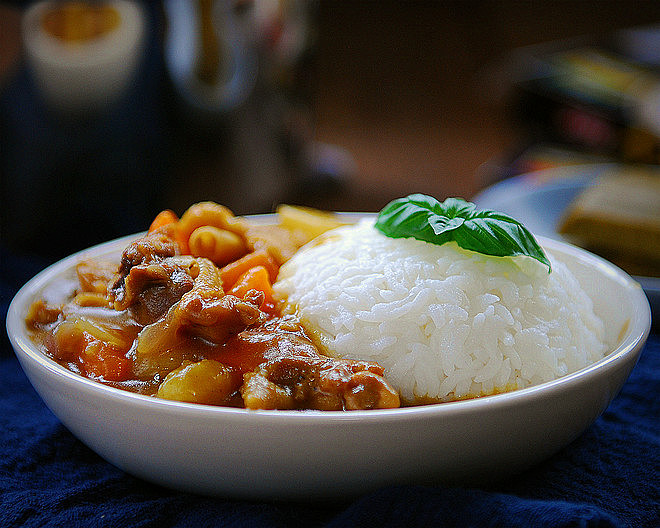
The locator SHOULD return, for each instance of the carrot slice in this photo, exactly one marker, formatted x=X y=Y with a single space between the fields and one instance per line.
x=231 y=273
x=169 y=218
x=102 y=360
x=255 y=278
x=162 y=219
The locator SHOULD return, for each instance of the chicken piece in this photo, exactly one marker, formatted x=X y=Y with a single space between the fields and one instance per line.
x=207 y=312
x=215 y=318
x=260 y=393
x=361 y=385
x=139 y=267
x=318 y=383
x=284 y=370
x=150 y=289
x=201 y=320
x=154 y=246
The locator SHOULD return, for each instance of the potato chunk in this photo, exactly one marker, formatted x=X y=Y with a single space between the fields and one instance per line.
x=307 y=222
x=207 y=381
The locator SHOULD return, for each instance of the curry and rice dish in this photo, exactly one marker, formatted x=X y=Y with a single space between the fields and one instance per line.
x=308 y=313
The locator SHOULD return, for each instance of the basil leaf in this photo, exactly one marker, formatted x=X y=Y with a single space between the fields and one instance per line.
x=488 y=232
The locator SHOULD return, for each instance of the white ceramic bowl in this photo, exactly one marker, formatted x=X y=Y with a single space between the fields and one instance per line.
x=312 y=454
x=86 y=77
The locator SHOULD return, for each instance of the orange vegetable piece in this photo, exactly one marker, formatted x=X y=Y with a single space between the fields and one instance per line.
x=233 y=271
x=169 y=218
x=255 y=278
x=162 y=219
x=102 y=360
x=208 y=214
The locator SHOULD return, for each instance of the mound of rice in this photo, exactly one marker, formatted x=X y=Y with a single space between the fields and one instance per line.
x=445 y=323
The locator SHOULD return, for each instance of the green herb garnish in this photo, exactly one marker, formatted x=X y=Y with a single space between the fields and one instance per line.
x=488 y=232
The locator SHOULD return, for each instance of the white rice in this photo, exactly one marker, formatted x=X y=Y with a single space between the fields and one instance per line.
x=445 y=323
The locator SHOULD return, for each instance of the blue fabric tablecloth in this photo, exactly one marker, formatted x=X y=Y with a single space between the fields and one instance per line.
x=607 y=477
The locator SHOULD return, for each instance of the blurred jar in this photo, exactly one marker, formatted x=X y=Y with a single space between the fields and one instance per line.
x=242 y=99
x=83 y=55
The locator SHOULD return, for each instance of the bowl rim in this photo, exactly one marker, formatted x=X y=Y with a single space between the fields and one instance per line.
x=628 y=348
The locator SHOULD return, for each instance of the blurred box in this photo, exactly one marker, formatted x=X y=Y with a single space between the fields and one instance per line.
x=597 y=97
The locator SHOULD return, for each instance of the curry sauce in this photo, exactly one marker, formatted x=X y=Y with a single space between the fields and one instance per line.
x=176 y=325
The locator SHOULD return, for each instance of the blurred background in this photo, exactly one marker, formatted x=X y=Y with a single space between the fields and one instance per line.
x=112 y=111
